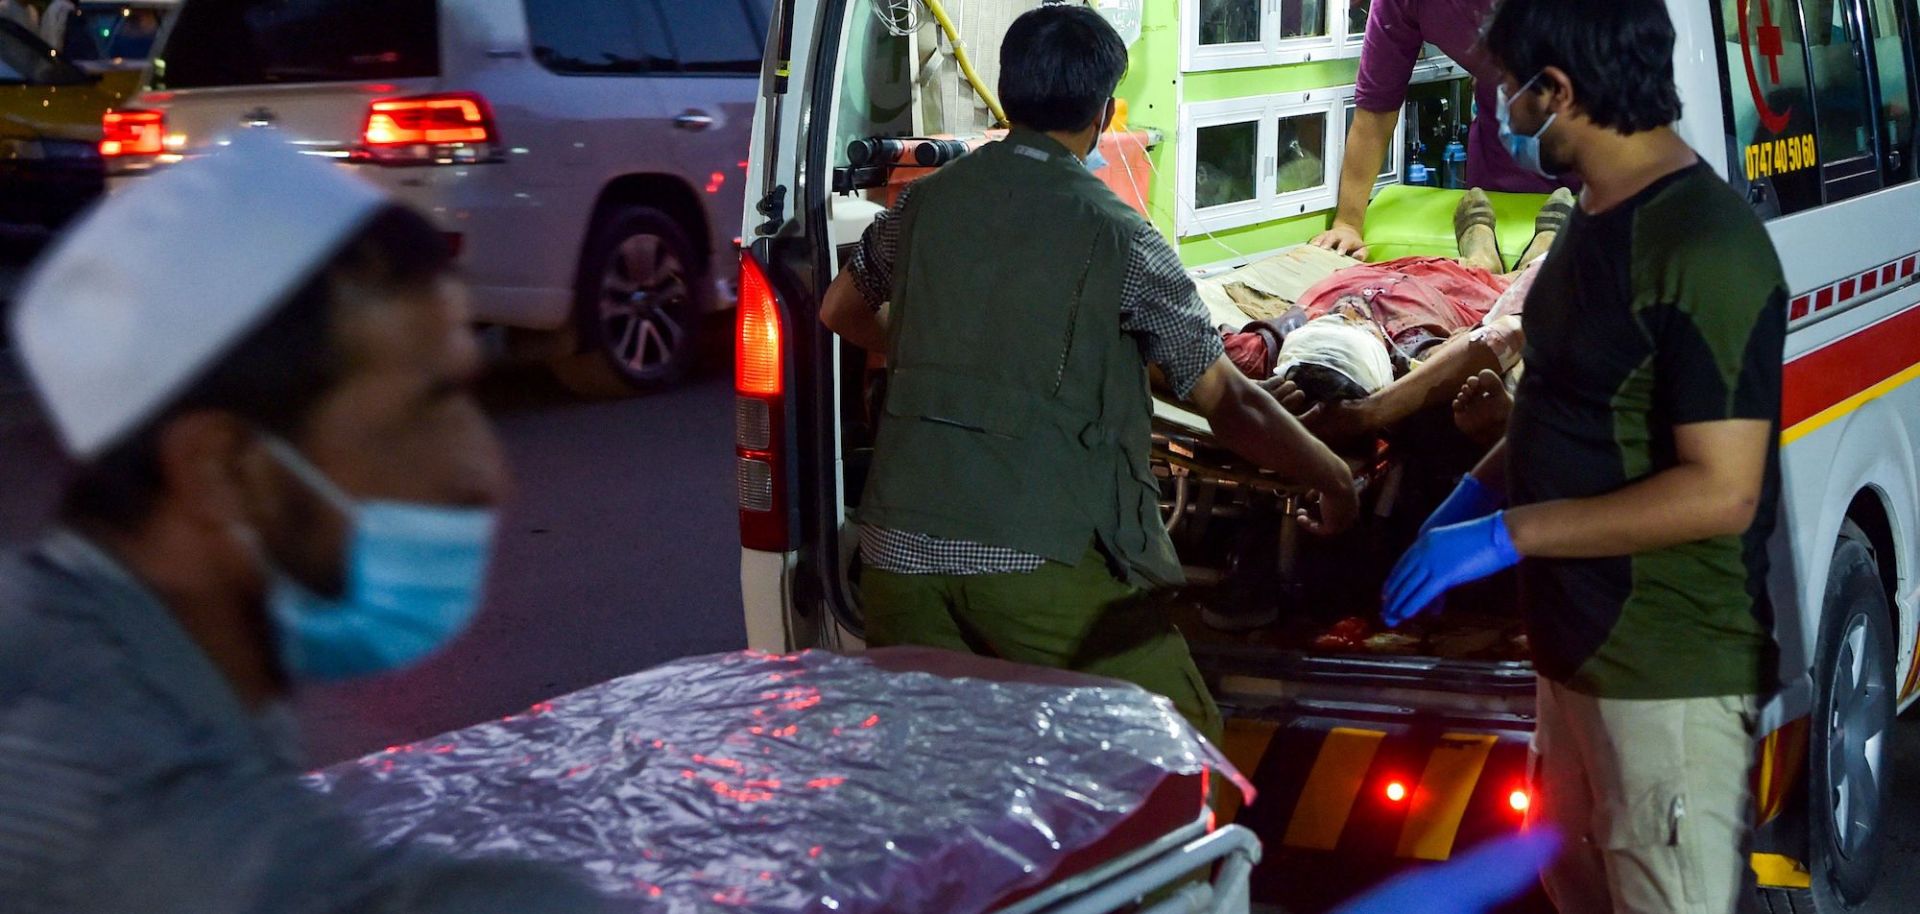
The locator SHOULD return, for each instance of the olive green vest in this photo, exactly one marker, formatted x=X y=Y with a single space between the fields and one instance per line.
x=1017 y=411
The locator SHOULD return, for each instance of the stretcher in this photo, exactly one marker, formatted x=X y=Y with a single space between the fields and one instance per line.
x=902 y=780
x=1368 y=758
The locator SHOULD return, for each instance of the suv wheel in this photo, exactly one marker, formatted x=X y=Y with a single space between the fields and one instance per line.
x=637 y=305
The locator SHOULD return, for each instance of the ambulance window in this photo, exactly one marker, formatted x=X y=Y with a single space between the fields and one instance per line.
x=1227 y=157
x=1840 y=87
x=1770 y=115
x=1247 y=161
x=1303 y=19
x=1229 y=21
x=1896 y=90
x=1303 y=148
x=1241 y=34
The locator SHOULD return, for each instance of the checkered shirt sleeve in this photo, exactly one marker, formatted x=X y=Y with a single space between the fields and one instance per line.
x=1161 y=308
x=904 y=552
x=873 y=258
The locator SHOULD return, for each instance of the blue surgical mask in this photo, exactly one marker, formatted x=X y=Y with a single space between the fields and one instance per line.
x=414 y=574
x=1524 y=149
x=1094 y=160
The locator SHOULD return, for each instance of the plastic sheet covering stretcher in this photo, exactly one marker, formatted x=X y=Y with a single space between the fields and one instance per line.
x=816 y=783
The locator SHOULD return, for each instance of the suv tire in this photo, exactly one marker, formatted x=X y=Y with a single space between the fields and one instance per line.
x=637 y=306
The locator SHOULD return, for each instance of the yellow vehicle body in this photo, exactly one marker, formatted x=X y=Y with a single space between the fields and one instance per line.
x=50 y=132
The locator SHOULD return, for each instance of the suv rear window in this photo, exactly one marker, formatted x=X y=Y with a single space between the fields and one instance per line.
x=600 y=37
x=251 y=42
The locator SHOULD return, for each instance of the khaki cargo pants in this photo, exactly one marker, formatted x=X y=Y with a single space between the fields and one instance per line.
x=1079 y=618
x=1654 y=798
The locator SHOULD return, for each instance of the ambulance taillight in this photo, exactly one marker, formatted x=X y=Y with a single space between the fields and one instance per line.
x=759 y=388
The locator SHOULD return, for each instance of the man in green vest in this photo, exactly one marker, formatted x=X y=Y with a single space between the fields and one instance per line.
x=1011 y=509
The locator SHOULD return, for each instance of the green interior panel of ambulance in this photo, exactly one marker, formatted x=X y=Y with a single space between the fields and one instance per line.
x=1408 y=221
x=884 y=96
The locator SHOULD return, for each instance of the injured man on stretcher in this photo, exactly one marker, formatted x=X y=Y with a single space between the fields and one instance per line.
x=1371 y=345
x=1403 y=366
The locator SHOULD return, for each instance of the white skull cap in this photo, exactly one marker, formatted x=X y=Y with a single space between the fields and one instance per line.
x=155 y=285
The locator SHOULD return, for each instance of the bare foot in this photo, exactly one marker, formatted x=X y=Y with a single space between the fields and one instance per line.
x=1480 y=411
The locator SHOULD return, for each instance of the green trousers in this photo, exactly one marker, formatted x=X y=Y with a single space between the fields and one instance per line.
x=1078 y=618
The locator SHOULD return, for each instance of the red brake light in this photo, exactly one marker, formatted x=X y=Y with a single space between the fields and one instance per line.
x=759 y=413
x=1396 y=791
x=455 y=127
x=437 y=119
x=1519 y=800
x=133 y=132
x=758 y=360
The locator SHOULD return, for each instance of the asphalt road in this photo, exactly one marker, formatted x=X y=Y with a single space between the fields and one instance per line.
x=618 y=552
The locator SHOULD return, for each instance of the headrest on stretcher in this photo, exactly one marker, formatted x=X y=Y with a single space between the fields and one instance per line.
x=771 y=783
x=1181 y=417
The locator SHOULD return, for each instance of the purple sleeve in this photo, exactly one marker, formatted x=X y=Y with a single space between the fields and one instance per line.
x=1387 y=56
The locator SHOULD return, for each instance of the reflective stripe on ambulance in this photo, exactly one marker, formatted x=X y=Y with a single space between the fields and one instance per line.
x=1415 y=795
x=1400 y=791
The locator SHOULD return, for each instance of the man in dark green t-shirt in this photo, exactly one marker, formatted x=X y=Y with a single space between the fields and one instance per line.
x=1641 y=468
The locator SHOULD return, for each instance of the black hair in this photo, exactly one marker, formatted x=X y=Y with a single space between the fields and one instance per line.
x=1059 y=65
x=276 y=375
x=1618 y=54
x=1324 y=385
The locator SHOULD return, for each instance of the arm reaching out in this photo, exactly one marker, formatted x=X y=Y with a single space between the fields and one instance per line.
x=1251 y=423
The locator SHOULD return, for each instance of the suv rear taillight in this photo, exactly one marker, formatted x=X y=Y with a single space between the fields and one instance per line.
x=454 y=128
x=133 y=132
x=759 y=382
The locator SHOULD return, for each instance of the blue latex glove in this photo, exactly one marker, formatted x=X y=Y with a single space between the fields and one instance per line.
x=1476 y=882
x=1445 y=558
x=1470 y=500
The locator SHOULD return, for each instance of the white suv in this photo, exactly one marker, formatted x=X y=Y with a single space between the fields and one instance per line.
x=585 y=157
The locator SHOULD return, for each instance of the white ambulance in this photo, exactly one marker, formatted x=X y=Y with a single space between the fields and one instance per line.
x=1235 y=123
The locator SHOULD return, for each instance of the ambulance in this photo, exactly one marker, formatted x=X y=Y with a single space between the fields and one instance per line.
x=1375 y=750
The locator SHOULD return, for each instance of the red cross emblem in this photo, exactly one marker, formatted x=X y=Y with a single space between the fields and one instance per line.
x=1772 y=47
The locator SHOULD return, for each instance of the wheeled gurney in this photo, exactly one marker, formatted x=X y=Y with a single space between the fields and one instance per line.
x=904 y=780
